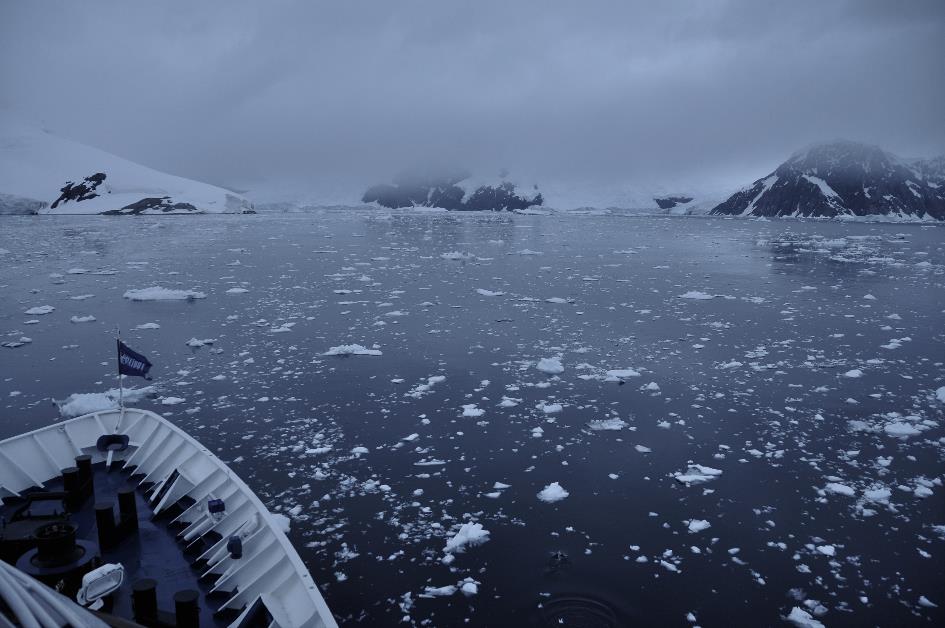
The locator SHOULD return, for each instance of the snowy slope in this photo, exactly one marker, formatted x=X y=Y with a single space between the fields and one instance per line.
x=846 y=179
x=36 y=166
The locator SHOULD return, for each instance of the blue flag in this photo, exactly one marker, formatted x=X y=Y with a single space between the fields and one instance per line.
x=131 y=362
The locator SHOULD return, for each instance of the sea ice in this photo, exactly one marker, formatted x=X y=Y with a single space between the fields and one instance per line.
x=157 y=293
x=468 y=535
x=552 y=493
x=551 y=366
x=351 y=350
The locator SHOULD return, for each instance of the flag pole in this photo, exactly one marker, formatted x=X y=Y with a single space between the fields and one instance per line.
x=121 y=387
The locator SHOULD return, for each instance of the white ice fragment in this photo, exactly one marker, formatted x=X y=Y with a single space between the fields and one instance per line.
x=552 y=493
x=697 y=474
x=468 y=535
x=354 y=349
x=551 y=366
x=698 y=525
x=40 y=310
x=157 y=293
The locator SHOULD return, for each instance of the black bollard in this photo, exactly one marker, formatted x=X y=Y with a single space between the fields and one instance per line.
x=105 y=522
x=144 y=600
x=84 y=464
x=128 y=510
x=186 y=609
x=72 y=485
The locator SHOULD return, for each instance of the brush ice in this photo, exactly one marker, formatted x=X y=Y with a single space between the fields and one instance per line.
x=157 y=293
x=552 y=493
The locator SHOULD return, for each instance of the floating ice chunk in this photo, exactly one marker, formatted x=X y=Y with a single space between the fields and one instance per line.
x=157 y=293
x=489 y=293
x=468 y=535
x=456 y=255
x=509 y=402
x=40 y=310
x=355 y=349
x=879 y=495
x=697 y=474
x=552 y=493
x=607 y=424
x=280 y=521
x=357 y=451
x=84 y=403
x=148 y=326
x=420 y=390
x=926 y=602
x=840 y=489
x=82 y=319
x=537 y=432
x=802 y=619
x=550 y=408
x=528 y=252
x=643 y=449
x=698 y=525
x=470 y=410
x=940 y=394
x=469 y=587
x=237 y=291
x=651 y=386
x=695 y=294
x=196 y=343
x=901 y=429
x=551 y=366
x=446 y=591
x=827 y=550
x=730 y=365
x=171 y=401
x=555 y=300
x=618 y=375
x=853 y=373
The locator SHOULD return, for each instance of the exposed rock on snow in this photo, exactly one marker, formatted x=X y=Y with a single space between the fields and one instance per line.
x=453 y=191
x=42 y=173
x=845 y=179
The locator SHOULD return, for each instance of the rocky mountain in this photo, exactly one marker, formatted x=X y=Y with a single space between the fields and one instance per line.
x=454 y=190
x=41 y=173
x=845 y=179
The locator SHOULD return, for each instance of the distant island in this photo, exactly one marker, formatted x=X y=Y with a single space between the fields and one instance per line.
x=454 y=191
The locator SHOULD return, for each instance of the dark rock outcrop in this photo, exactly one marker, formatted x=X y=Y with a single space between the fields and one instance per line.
x=845 y=179
x=443 y=190
x=668 y=202
x=161 y=203
x=78 y=192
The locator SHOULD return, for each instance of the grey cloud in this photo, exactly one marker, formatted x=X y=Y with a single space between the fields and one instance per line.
x=240 y=92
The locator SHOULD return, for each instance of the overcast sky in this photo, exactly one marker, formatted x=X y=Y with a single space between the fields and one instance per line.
x=237 y=92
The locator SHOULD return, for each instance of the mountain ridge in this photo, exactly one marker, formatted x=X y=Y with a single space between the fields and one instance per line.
x=848 y=179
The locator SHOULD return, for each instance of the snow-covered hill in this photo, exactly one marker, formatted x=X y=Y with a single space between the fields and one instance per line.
x=46 y=174
x=846 y=179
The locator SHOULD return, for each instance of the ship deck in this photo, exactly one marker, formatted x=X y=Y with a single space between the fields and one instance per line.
x=153 y=552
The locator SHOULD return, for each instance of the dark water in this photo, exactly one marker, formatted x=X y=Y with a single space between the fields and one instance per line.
x=751 y=382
